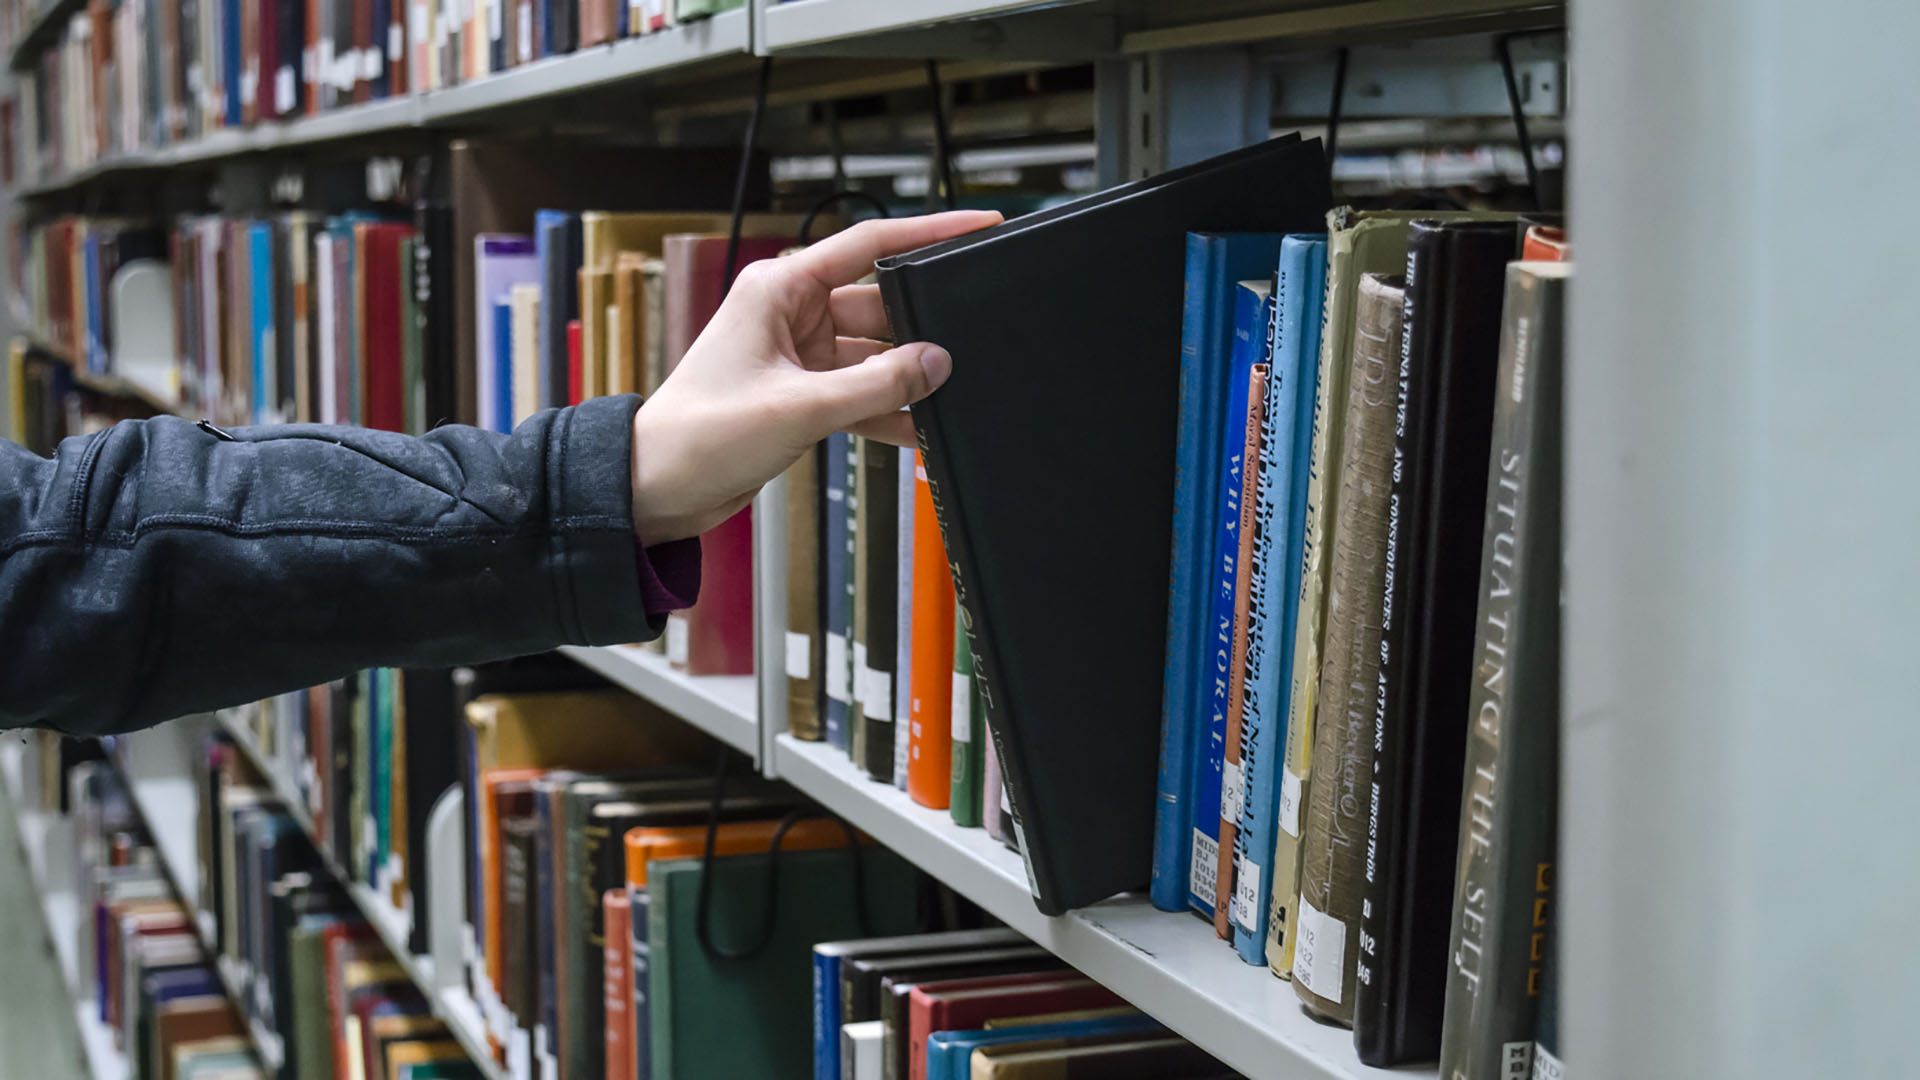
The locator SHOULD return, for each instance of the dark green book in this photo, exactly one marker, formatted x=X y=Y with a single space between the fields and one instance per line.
x=969 y=739
x=878 y=555
x=1508 y=814
x=713 y=1017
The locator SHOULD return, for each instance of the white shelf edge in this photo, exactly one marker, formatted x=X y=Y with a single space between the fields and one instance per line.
x=1168 y=964
x=723 y=706
x=802 y=23
x=378 y=913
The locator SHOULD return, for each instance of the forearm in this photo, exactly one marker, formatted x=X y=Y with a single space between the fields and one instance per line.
x=159 y=569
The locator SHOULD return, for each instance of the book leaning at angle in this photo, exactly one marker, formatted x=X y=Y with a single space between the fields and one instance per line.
x=1069 y=663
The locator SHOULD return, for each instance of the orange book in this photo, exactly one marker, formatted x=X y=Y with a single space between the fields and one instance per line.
x=645 y=845
x=1232 y=788
x=930 y=738
x=621 y=1064
x=1544 y=242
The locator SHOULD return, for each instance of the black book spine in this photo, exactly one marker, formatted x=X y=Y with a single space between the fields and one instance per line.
x=432 y=766
x=433 y=289
x=337 y=833
x=517 y=852
x=880 y=504
x=1443 y=427
x=285 y=333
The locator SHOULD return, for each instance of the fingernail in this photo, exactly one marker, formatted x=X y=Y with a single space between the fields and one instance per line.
x=937 y=363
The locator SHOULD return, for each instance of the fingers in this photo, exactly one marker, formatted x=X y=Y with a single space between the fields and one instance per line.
x=856 y=311
x=846 y=257
x=881 y=384
x=850 y=351
x=893 y=428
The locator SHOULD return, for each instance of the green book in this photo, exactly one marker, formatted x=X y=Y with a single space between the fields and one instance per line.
x=439 y=1070
x=969 y=737
x=310 y=1048
x=358 y=848
x=380 y=776
x=754 y=1017
x=413 y=381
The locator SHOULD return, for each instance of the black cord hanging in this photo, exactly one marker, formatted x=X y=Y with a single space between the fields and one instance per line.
x=1501 y=45
x=746 y=170
x=943 y=153
x=769 y=911
x=1333 y=110
x=825 y=201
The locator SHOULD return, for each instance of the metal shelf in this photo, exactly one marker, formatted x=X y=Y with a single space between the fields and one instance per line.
x=452 y=1006
x=723 y=706
x=111 y=385
x=1168 y=964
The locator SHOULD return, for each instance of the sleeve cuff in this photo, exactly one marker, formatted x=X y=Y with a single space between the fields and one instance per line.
x=669 y=575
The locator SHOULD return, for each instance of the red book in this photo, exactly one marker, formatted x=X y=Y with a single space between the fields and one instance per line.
x=382 y=378
x=573 y=362
x=266 y=28
x=930 y=739
x=966 y=1004
x=362 y=42
x=621 y=1064
x=342 y=942
x=1236 y=691
x=720 y=624
x=1547 y=243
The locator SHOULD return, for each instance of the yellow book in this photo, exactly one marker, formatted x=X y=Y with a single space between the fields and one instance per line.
x=596 y=299
x=577 y=729
x=401 y=1055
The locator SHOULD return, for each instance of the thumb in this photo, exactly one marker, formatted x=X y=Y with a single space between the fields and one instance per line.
x=883 y=383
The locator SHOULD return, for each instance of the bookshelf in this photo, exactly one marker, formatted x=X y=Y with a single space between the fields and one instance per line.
x=42 y=30
x=722 y=706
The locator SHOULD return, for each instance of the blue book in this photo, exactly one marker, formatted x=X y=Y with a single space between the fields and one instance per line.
x=1293 y=330
x=949 y=1053
x=502 y=373
x=838 y=555
x=260 y=265
x=381 y=771
x=230 y=51
x=95 y=356
x=1247 y=347
x=1214 y=262
x=382 y=82
x=557 y=244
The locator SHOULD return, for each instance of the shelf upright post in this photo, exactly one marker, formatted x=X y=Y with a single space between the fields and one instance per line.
x=770 y=616
x=1738 y=737
x=1158 y=111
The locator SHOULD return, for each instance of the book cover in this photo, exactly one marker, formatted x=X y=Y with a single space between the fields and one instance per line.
x=1495 y=1004
x=525 y=359
x=968 y=741
x=878 y=492
x=805 y=654
x=596 y=294
x=967 y=1003
x=576 y=372
x=1448 y=365
x=1214 y=262
x=930 y=718
x=1276 y=572
x=828 y=958
x=557 y=243
x=625 y=356
x=617 y=963
x=260 y=255
x=382 y=374
x=837 y=559
x=1232 y=773
x=1333 y=834
x=903 y=616
x=1072 y=683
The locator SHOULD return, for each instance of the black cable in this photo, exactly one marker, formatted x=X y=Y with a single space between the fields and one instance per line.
x=763 y=934
x=1333 y=110
x=941 y=149
x=843 y=195
x=1500 y=45
x=746 y=170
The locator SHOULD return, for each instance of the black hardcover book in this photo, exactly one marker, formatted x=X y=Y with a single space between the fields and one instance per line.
x=1058 y=364
x=338 y=833
x=433 y=767
x=861 y=977
x=433 y=286
x=1449 y=358
x=285 y=334
x=519 y=984
x=560 y=288
x=873 y=672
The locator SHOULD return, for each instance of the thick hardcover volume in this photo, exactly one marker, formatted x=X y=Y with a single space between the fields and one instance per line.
x=1214 y=262
x=1508 y=806
x=556 y=235
x=969 y=741
x=1070 y=668
x=804 y=650
x=879 y=495
x=1233 y=783
x=1450 y=353
x=1225 y=584
x=930 y=748
x=837 y=602
x=1276 y=572
x=1333 y=834
x=1358 y=242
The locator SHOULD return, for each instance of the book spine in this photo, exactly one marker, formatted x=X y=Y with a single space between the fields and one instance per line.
x=931 y=720
x=964 y=783
x=837 y=557
x=544 y=960
x=1332 y=833
x=1233 y=785
x=903 y=618
x=860 y=536
x=1172 y=839
x=1217 y=690
x=1294 y=325
x=826 y=1016
x=617 y=986
x=1507 y=817
x=1329 y=423
x=804 y=654
x=880 y=522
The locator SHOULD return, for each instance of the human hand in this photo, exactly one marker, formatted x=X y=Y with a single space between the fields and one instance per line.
x=796 y=352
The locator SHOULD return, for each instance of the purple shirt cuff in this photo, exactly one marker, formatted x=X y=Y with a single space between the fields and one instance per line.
x=669 y=575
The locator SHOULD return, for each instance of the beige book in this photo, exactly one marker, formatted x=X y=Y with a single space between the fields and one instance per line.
x=596 y=297
x=805 y=647
x=1358 y=242
x=1333 y=830
x=625 y=374
x=525 y=301
x=653 y=324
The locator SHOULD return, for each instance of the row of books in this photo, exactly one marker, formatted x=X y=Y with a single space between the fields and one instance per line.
x=1358 y=780
x=979 y=1005
x=137 y=75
